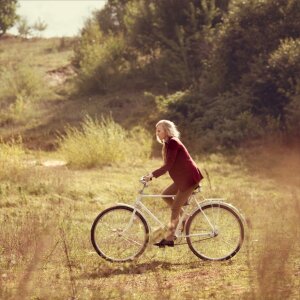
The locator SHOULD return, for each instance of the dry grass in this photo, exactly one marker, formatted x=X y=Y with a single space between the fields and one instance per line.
x=104 y=142
x=47 y=212
x=40 y=120
x=276 y=266
x=44 y=54
x=45 y=238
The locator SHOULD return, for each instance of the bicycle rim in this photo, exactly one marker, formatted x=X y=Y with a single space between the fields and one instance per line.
x=215 y=233
x=118 y=235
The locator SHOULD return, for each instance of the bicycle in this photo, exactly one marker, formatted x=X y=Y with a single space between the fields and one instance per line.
x=214 y=229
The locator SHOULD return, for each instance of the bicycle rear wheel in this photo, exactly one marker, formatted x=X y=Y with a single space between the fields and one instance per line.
x=215 y=232
x=119 y=235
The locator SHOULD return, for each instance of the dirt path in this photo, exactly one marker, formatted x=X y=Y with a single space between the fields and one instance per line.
x=59 y=76
x=46 y=163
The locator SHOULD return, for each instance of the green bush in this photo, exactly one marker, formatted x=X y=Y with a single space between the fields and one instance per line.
x=177 y=41
x=21 y=82
x=20 y=88
x=170 y=71
x=213 y=123
x=272 y=82
x=249 y=81
x=284 y=66
x=100 y=60
x=99 y=143
x=251 y=31
x=112 y=68
x=230 y=69
x=87 y=49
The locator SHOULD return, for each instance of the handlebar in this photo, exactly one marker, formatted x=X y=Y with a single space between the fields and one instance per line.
x=143 y=181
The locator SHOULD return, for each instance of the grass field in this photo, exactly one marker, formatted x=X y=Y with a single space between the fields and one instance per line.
x=46 y=212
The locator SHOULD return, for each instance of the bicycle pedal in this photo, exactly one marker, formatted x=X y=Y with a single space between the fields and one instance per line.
x=164 y=243
x=157 y=234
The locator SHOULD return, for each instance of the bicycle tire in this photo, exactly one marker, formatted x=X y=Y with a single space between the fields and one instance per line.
x=119 y=245
x=227 y=238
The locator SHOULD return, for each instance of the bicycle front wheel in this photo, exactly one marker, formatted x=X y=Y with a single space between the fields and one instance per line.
x=120 y=235
x=215 y=232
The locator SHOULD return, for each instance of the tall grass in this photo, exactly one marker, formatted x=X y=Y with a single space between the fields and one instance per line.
x=45 y=250
x=274 y=266
x=104 y=142
x=21 y=176
x=12 y=155
x=21 y=86
x=22 y=81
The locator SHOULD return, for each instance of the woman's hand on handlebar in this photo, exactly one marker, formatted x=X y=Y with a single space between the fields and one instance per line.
x=147 y=177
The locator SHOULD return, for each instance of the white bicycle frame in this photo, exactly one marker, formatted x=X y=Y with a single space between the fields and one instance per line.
x=138 y=204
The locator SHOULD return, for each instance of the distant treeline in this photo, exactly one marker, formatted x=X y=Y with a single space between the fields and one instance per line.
x=228 y=71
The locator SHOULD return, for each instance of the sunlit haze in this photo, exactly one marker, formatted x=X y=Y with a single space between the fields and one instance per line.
x=64 y=18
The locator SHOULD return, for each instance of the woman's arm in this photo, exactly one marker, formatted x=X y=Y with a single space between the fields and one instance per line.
x=172 y=150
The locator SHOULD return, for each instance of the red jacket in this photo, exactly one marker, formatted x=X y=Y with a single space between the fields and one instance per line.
x=181 y=167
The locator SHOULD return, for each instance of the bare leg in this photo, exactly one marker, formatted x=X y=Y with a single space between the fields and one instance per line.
x=179 y=200
x=170 y=190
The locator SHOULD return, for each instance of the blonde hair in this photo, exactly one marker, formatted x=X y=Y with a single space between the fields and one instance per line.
x=171 y=130
x=169 y=127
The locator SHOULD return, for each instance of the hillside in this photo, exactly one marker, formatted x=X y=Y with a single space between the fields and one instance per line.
x=47 y=210
x=39 y=97
x=39 y=121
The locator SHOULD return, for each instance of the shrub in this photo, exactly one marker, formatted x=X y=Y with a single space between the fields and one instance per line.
x=104 y=142
x=250 y=33
x=177 y=42
x=112 y=67
x=20 y=87
x=21 y=81
x=285 y=65
x=249 y=81
x=87 y=49
x=170 y=71
x=100 y=59
x=210 y=123
x=273 y=82
x=11 y=159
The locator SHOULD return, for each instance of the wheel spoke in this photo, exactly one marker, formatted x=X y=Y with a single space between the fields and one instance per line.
x=228 y=230
x=130 y=240
x=126 y=242
x=224 y=241
x=116 y=232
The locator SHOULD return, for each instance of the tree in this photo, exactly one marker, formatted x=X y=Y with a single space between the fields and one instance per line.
x=8 y=15
x=176 y=30
x=111 y=17
x=24 y=28
x=252 y=31
x=39 y=26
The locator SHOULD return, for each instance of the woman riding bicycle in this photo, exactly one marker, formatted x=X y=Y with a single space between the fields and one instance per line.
x=182 y=169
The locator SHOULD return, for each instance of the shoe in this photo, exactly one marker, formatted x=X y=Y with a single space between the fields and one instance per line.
x=164 y=243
